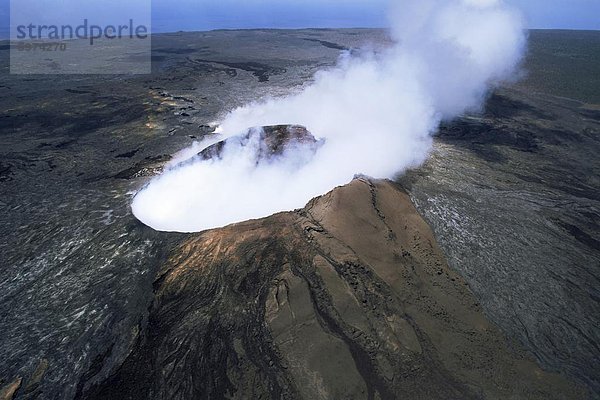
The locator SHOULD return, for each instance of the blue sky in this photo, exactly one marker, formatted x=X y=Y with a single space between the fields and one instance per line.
x=209 y=14
x=212 y=14
x=174 y=15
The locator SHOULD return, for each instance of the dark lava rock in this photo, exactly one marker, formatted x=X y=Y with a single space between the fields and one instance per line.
x=513 y=197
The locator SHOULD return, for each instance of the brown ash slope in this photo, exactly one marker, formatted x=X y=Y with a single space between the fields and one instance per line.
x=348 y=298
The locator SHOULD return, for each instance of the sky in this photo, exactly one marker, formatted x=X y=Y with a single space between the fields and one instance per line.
x=190 y=15
x=210 y=14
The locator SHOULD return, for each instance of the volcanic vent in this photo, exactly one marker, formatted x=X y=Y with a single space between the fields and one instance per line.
x=268 y=142
x=199 y=193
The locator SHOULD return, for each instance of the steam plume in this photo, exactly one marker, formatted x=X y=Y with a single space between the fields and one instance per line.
x=376 y=113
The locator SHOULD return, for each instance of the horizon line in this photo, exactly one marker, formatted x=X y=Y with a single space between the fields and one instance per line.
x=156 y=33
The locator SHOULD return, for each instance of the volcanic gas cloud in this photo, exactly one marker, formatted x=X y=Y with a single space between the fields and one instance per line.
x=374 y=114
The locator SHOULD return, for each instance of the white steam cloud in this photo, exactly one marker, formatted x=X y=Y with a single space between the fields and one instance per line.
x=376 y=113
